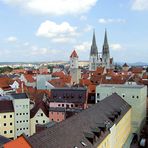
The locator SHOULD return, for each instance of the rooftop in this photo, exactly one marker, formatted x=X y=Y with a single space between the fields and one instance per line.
x=77 y=130
x=6 y=106
x=19 y=96
x=121 y=85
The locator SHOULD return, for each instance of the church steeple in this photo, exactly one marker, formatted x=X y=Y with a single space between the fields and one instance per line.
x=105 y=53
x=94 y=49
x=105 y=45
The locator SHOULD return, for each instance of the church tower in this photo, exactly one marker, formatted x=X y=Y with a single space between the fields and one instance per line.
x=75 y=71
x=105 y=53
x=74 y=60
x=94 y=59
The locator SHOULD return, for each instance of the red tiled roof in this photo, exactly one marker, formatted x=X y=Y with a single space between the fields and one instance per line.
x=74 y=54
x=5 y=82
x=57 y=82
x=20 y=142
x=137 y=70
x=58 y=74
x=29 y=78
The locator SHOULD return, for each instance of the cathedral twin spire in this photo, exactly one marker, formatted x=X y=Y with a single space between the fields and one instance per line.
x=105 y=59
x=94 y=49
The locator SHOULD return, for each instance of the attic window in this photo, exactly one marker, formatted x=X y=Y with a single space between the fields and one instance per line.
x=84 y=144
x=108 y=78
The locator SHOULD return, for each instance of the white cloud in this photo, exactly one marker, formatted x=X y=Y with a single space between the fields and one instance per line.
x=63 y=32
x=83 y=47
x=11 y=39
x=26 y=44
x=116 y=47
x=54 y=7
x=83 y=18
x=43 y=51
x=88 y=28
x=110 y=20
x=140 y=5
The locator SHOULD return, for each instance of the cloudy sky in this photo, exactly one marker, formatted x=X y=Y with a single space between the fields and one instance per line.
x=48 y=30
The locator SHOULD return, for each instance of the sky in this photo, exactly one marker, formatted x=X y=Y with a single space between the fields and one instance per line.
x=49 y=30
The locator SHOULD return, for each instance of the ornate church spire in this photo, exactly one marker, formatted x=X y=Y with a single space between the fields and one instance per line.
x=94 y=49
x=105 y=45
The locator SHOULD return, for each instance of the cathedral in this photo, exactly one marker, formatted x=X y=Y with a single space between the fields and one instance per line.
x=100 y=59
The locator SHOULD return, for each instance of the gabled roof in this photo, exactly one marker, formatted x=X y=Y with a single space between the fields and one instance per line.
x=29 y=78
x=6 y=106
x=40 y=105
x=5 y=82
x=74 y=54
x=72 y=132
x=20 y=142
x=137 y=70
x=125 y=65
x=3 y=140
x=69 y=95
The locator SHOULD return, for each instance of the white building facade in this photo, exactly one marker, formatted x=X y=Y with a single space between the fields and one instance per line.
x=135 y=95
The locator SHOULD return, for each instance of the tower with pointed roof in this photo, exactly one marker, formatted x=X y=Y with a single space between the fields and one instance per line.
x=105 y=53
x=94 y=59
x=75 y=72
x=74 y=60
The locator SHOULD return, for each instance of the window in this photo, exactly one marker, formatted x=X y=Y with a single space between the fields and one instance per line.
x=20 y=121
x=20 y=113
x=4 y=116
x=71 y=105
x=123 y=96
x=17 y=129
x=10 y=116
x=133 y=96
x=23 y=113
x=59 y=104
x=41 y=114
x=26 y=113
x=17 y=114
x=43 y=121
x=137 y=97
x=62 y=105
x=26 y=127
x=20 y=128
x=16 y=121
x=26 y=120
x=98 y=95
x=10 y=131
x=10 y=123
x=23 y=128
x=76 y=105
x=36 y=121
x=4 y=124
x=23 y=120
x=5 y=132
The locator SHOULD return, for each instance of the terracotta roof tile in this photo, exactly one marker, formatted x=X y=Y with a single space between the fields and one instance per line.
x=20 y=142
x=74 y=54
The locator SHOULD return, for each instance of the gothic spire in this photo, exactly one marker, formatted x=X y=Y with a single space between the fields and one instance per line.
x=94 y=49
x=105 y=45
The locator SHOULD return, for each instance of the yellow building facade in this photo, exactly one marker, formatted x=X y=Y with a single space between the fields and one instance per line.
x=7 y=124
x=119 y=133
